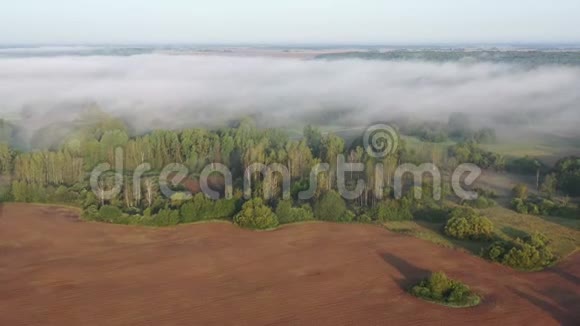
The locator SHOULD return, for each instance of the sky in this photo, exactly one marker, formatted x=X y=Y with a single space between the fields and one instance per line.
x=289 y=21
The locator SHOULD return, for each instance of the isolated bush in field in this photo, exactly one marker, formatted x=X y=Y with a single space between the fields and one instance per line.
x=520 y=191
x=465 y=223
x=439 y=288
x=256 y=215
x=331 y=207
x=286 y=213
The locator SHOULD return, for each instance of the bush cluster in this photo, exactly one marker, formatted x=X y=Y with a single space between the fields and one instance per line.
x=469 y=152
x=481 y=202
x=201 y=208
x=256 y=215
x=466 y=223
x=441 y=289
x=288 y=214
x=530 y=253
x=391 y=210
x=332 y=207
x=539 y=206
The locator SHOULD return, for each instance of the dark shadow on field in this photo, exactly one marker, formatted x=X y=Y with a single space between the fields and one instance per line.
x=567 y=276
x=513 y=232
x=411 y=273
x=562 y=304
x=569 y=222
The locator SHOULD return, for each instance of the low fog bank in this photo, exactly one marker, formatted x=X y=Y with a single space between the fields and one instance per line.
x=176 y=91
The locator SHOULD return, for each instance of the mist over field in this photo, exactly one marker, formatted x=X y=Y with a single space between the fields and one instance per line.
x=173 y=91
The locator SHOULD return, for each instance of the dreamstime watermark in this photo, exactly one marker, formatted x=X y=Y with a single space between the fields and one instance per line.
x=380 y=141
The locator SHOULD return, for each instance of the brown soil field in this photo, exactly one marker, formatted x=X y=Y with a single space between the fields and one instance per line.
x=58 y=270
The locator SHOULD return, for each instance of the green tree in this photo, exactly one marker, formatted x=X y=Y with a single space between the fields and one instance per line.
x=288 y=214
x=549 y=185
x=313 y=138
x=520 y=191
x=110 y=213
x=331 y=207
x=439 y=288
x=465 y=223
x=256 y=215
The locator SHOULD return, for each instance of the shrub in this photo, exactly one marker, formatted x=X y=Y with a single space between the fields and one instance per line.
x=90 y=200
x=533 y=209
x=177 y=199
x=331 y=207
x=465 y=223
x=288 y=214
x=547 y=206
x=91 y=213
x=537 y=206
x=481 y=202
x=531 y=253
x=201 y=208
x=391 y=210
x=520 y=206
x=256 y=215
x=432 y=214
x=347 y=217
x=165 y=217
x=439 y=288
x=110 y=213
x=363 y=218
x=525 y=165
x=520 y=191
x=568 y=175
x=549 y=185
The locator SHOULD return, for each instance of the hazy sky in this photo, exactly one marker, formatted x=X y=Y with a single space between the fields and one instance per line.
x=288 y=21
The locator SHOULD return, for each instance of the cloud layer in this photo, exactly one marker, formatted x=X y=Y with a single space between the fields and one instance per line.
x=173 y=91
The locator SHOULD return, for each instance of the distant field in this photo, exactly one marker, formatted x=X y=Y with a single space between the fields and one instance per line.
x=548 y=154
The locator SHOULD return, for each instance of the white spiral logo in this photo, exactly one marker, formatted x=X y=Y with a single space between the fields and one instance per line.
x=380 y=140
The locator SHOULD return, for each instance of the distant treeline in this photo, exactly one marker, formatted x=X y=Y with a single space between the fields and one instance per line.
x=522 y=57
